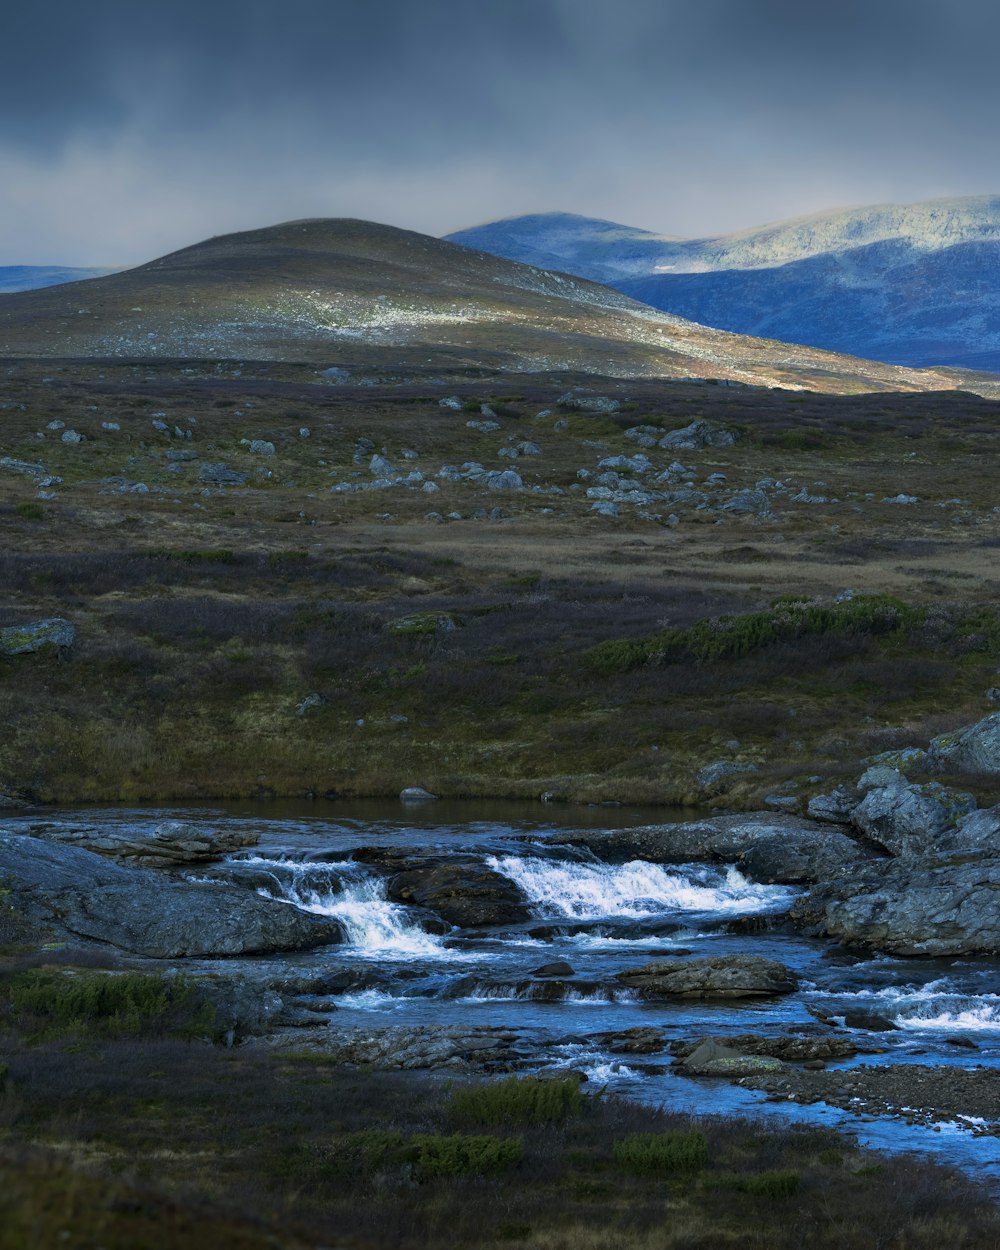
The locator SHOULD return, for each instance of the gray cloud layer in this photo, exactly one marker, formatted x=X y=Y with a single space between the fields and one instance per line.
x=129 y=129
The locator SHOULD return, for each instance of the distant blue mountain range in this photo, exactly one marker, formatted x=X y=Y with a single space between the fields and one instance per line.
x=28 y=277
x=913 y=284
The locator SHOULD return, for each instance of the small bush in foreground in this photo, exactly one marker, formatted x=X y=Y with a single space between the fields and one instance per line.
x=53 y=1001
x=648 y=1153
x=518 y=1100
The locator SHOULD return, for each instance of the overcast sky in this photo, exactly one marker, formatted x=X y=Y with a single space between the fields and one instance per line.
x=129 y=128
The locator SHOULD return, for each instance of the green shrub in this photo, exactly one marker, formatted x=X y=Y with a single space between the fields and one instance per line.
x=518 y=1100
x=662 y=1152
x=730 y=637
x=465 y=1156
x=107 y=1004
x=30 y=511
x=774 y=1185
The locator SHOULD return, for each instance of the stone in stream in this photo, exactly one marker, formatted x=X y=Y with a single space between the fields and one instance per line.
x=558 y=968
x=795 y=1049
x=464 y=894
x=724 y=976
x=74 y=891
x=711 y=1058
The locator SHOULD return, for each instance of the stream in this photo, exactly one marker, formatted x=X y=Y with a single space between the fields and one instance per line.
x=600 y=919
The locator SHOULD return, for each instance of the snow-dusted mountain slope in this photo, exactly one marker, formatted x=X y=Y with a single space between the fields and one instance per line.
x=909 y=284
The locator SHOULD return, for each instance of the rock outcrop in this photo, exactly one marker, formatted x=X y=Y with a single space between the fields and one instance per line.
x=77 y=892
x=170 y=844
x=53 y=634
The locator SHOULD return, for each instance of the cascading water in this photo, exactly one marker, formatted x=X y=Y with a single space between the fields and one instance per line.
x=634 y=891
x=349 y=893
x=936 y=1006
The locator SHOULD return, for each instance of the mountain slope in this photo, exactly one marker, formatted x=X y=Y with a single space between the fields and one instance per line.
x=373 y=298
x=912 y=284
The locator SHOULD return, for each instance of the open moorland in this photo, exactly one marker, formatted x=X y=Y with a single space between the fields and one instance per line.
x=327 y=512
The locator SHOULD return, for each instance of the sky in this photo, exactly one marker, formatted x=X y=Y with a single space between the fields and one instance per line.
x=129 y=129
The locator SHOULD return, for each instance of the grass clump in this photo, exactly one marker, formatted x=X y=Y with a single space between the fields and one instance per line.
x=652 y=1153
x=731 y=637
x=774 y=1185
x=30 y=511
x=52 y=1002
x=518 y=1100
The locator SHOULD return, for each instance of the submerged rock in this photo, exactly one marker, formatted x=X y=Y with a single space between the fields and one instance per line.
x=725 y=976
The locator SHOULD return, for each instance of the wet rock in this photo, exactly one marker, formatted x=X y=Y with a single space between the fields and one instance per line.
x=813 y=851
x=869 y=1022
x=792 y=1049
x=975 y=749
x=172 y=843
x=466 y=894
x=558 y=968
x=909 y=907
x=638 y=1041
x=75 y=891
x=725 y=976
x=908 y=819
x=53 y=634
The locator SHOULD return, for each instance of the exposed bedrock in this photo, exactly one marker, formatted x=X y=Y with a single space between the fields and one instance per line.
x=78 y=892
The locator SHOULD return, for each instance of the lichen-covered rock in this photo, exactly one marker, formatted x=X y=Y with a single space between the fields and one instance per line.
x=909 y=819
x=712 y=1057
x=975 y=749
x=699 y=434
x=725 y=976
x=55 y=633
x=588 y=403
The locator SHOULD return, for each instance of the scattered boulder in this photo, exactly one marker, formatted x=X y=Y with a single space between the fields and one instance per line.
x=506 y=479
x=452 y=402
x=54 y=633
x=748 y=501
x=869 y=1022
x=75 y=891
x=416 y=794
x=311 y=701
x=22 y=466
x=725 y=976
x=599 y=404
x=710 y=776
x=558 y=968
x=699 y=434
x=220 y=474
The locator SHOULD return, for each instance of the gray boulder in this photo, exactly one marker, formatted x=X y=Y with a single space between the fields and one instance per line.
x=725 y=976
x=909 y=907
x=220 y=474
x=835 y=807
x=975 y=749
x=699 y=434
x=588 y=403
x=910 y=819
x=977 y=831
x=507 y=479
x=710 y=776
x=749 y=501
x=74 y=891
x=55 y=633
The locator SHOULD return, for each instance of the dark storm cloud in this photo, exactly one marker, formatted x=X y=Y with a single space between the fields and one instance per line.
x=128 y=128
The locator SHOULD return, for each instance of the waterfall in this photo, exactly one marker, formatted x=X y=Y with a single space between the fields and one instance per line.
x=636 y=890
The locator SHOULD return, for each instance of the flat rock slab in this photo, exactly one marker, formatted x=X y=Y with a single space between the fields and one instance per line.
x=401 y=1048
x=78 y=892
x=173 y=842
x=917 y=1093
